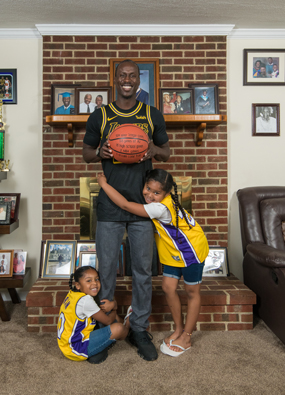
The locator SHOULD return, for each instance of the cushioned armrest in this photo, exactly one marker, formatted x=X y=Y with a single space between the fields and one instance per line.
x=266 y=255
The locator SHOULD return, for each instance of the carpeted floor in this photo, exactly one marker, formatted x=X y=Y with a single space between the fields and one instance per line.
x=237 y=362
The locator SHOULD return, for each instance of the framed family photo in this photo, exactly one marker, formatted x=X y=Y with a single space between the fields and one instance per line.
x=8 y=86
x=206 y=98
x=63 y=99
x=5 y=213
x=216 y=263
x=59 y=259
x=265 y=119
x=14 y=198
x=19 y=262
x=6 y=263
x=148 y=91
x=88 y=99
x=264 y=67
x=176 y=101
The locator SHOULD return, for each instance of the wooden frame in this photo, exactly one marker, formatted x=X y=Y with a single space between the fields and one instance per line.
x=6 y=262
x=57 y=252
x=149 y=75
x=170 y=103
x=8 y=90
x=265 y=119
x=56 y=106
x=5 y=212
x=257 y=69
x=80 y=93
x=206 y=104
x=14 y=198
x=19 y=262
x=216 y=263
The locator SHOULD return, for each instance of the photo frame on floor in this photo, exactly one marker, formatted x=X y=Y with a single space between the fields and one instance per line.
x=216 y=263
x=88 y=258
x=84 y=246
x=59 y=259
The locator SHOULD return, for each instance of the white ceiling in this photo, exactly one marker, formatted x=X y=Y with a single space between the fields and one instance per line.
x=243 y=14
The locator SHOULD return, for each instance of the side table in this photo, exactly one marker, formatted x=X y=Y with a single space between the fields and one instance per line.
x=11 y=283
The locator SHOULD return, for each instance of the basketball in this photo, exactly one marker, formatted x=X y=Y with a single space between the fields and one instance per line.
x=129 y=143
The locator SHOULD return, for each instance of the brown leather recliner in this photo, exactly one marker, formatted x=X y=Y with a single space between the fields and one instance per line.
x=262 y=221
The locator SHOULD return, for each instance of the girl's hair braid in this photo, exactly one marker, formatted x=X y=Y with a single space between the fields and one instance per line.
x=70 y=282
x=167 y=183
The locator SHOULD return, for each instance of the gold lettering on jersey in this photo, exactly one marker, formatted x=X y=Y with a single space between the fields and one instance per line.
x=143 y=126
x=140 y=117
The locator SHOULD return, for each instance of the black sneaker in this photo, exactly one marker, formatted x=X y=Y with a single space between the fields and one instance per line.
x=142 y=340
x=99 y=358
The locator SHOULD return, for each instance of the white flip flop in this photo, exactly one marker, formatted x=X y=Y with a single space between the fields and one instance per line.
x=129 y=312
x=166 y=350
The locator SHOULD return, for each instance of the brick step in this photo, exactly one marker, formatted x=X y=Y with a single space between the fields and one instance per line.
x=226 y=304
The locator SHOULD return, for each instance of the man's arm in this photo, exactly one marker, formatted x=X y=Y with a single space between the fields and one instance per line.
x=159 y=153
x=90 y=155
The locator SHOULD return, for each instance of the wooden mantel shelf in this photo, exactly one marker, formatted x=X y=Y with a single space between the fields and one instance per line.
x=3 y=175
x=7 y=229
x=201 y=122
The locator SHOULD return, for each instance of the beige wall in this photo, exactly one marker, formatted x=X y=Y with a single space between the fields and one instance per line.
x=24 y=147
x=253 y=161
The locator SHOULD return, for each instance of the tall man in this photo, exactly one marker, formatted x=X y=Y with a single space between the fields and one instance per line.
x=128 y=179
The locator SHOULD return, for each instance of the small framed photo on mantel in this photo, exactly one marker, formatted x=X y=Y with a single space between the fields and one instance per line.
x=206 y=98
x=178 y=101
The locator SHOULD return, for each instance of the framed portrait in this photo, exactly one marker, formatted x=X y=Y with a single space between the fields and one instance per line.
x=84 y=246
x=8 y=86
x=59 y=259
x=14 y=198
x=89 y=99
x=265 y=119
x=176 y=101
x=2 y=144
x=88 y=258
x=264 y=67
x=63 y=99
x=19 y=262
x=148 y=91
x=6 y=263
x=206 y=98
x=216 y=263
x=5 y=213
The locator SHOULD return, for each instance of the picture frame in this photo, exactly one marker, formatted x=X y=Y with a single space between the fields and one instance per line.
x=84 y=246
x=205 y=104
x=59 y=259
x=258 y=69
x=99 y=98
x=176 y=101
x=5 y=213
x=6 y=263
x=149 y=76
x=88 y=258
x=19 y=262
x=14 y=198
x=265 y=119
x=57 y=92
x=216 y=263
x=42 y=257
x=8 y=86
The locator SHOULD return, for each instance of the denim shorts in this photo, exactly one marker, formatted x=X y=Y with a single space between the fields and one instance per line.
x=192 y=274
x=99 y=339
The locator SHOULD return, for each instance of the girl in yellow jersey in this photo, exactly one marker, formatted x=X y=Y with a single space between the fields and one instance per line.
x=78 y=316
x=182 y=248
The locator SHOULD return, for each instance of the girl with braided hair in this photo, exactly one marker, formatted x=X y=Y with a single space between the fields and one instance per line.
x=182 y=248
x=78 y=315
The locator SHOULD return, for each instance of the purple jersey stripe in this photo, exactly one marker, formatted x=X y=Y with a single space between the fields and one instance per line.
x=181 y=244
x=78 y=346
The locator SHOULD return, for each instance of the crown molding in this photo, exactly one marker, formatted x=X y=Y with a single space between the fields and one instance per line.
x=257 y=34
x=19 y=33
x=134 y=30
